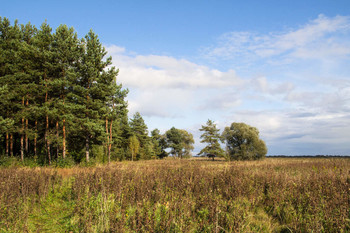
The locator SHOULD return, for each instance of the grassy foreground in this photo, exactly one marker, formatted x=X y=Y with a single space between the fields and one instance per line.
x=272 y=195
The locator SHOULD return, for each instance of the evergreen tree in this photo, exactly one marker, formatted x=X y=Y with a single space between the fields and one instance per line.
x=44 y=102
x=55 y=88
x=10 y=42
x=122 y=133
x=66 y=51
x=139 y=128
x=159 y=143
x=211 y=137
x=7 y=54
x=97 y=93
x=28 y=81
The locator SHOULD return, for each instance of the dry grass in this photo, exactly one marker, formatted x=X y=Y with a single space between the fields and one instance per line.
x=172 y=195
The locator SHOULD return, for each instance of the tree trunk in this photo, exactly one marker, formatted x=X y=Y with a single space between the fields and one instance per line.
x=22 y=148
x=47 y=124
x=110 y=142
x=7 y=144
x=87 y=148
x=11 y=144
x=64 y=139
x=64 y=135
x=47 y=139
x=22 y=137
x=26 y=134
x=107 y=138
x=57 y=138
x=87 y=134
x=35 y=137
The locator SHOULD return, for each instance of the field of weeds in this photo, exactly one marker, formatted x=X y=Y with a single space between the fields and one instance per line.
x=272 y=195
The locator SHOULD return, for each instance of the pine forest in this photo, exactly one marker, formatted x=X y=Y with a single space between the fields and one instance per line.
x=60 y=100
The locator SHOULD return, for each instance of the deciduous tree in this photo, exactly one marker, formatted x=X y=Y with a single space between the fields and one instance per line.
x=180 y=141
x=243 y=142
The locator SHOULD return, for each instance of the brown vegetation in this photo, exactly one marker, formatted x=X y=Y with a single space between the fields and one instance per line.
x=272 y=195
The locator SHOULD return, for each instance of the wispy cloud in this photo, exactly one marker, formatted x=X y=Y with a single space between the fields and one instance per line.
x=322 y=37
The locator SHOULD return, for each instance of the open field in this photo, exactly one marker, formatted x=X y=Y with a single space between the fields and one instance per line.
x=195 y=195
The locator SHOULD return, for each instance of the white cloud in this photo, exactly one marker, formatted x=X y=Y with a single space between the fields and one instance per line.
x=314 y=40
x=164 y=86
x=261 y=84
x=113 y=49
x=153 y=71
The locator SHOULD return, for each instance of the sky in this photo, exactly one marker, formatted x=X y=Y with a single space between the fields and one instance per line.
x=281 y=66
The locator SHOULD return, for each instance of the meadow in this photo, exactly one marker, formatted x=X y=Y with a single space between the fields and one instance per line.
x=173 y=195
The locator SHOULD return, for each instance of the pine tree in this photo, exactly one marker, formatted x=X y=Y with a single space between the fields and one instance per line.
x=66 y=51
x=8 y=48
x=139 y=128
x=29 y=86
x=10 y=42
x=95 y=93
x=159 y=143
x=211 y=137
x=55 y=88
x=44 y=102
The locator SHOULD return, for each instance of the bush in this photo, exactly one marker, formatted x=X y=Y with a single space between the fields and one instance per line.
x=64 y=162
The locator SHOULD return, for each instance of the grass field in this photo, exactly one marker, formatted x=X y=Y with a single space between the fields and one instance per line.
x=194 y=195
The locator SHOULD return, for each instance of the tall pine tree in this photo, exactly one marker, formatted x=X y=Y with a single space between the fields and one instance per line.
x=211 y=137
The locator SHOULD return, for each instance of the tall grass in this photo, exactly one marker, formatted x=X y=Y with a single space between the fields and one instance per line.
x=273 y=195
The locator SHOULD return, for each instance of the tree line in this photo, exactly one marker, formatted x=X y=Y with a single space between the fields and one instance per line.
x=59 y=97
x=60 y=101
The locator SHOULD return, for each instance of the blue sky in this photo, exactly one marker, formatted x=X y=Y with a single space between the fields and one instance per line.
x=281 y=66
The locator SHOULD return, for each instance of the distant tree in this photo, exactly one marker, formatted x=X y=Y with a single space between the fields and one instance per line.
x=134 y=146
x=173 y=137
x=211 y=137
x=139 y=128
x=180 y=141
x=243 y=142
x=159 y=143
x=187 y=143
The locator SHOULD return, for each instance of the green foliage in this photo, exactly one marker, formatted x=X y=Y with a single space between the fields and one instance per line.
x=139 y=128
x=187 y=142
x=243 y=142
x=159 y=143
x=65 y=162
x=134 y=146
x=211 y=137
x=56 y=212
x=56 y=91
x=180 y=141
